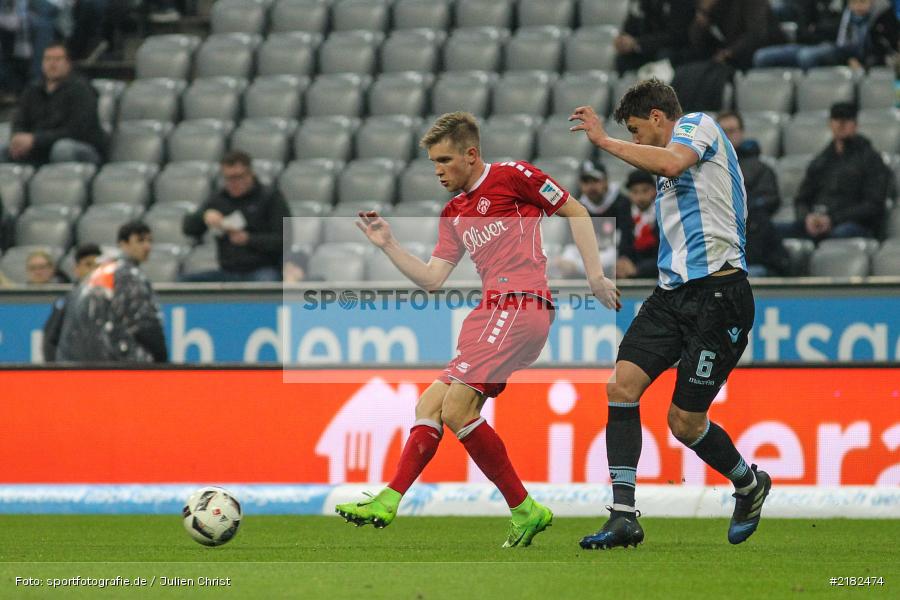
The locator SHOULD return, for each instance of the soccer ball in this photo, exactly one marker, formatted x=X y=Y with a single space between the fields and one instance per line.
x=212 y=516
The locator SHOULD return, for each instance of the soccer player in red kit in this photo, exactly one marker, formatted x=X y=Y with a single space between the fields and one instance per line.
x=496 y=219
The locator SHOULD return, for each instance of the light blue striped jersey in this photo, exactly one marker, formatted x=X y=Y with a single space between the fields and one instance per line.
x=702 y=213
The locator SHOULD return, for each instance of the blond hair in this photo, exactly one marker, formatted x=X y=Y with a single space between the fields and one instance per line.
x=460 y=128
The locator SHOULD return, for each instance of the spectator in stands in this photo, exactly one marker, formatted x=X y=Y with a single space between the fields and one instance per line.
x=765 y=253
x=851 y=46
x=57 y=119
x=638 y=256
x=295 y=267
x=610 y=214
x=27 y=28
x=654 y=30
x=730 y=31
x=844 y=190
x=162 y=11
x=86 y=257
x=246 y=218
x=817 y=20
x=40 y=269
x=113 y=315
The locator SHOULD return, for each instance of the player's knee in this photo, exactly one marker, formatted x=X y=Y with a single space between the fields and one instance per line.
x=686 y=427
x=621 y=393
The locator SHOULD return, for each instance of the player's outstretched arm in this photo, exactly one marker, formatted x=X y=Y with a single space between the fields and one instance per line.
x=429 y=276
x=586 y=242
x=670 y=161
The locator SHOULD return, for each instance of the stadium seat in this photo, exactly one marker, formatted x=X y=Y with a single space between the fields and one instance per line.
x=618 y=130
x=868 y=245
x=387 y=137
x=474 y=48
x=304 y=229
x=201 y=258
x=484 y=13
x=187 y=182
x=619 y=87
x=412 y=50
x=226 y=55
x=418 y=183
x=127 y=183
x=100 y=223
x=839 y=262
x=555 y=231
x=275 y=96
x=312 y=181
x=591 y=48
x=201 y=139
x=602 y=12
x=560 y=13
x=508 y=137
x=563 y=169
x=583 y=88
x=288 y=53
x=350 y=52
x=213 y=98
x=892 y=229
x=467 y=91
x=799 y=252
x=765 y=90
x=355 y=15
x=368 y=181
x=340 y=227
x=37 y=226
x=806 y=133
x=400 y=94
x=522 y=92
x=325 y=137
x=13 y=262
x=337 y=262
x=307 y=208
x=266 y=138
x=13 y=184
x=142 y=141
x=267 y=171
x=413 y=14
x=790 y=171
x=535 y=48
x=156 y=99
x=823 y=86
x=168 y=56
x=616 y=170
x=877 y=90
x=426 y=208
x=238 y=16
x=765 y=128
x=300 y=15
x=340 y=94
x=882 y=127
x=61 y=183
x=165 y=219
x=887 y=261
x=463 y=274
x=380 y=269
x=109 y=91
x=161 y=267
x=555 y=140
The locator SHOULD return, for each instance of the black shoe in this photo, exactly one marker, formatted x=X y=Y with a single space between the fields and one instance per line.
x=748 y=508
x=622 y=529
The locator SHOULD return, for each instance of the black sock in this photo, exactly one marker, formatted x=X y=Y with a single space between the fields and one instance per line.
x=718 y=451
x=623 y=449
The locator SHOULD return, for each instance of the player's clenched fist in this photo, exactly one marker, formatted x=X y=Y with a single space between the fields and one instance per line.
x=591 y=124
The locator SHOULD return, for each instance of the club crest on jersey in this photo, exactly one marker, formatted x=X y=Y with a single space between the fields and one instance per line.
x=551 y=192
x=483 y=205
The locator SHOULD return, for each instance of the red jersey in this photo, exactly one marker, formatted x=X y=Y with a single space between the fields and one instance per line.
x=498 y=223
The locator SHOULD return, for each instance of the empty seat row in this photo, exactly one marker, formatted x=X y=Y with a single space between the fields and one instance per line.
x=783 y=90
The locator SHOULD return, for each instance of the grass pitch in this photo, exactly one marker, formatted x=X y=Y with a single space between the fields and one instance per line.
x=430 y=558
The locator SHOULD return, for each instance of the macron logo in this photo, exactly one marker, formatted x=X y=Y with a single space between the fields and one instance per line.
x=734 y=333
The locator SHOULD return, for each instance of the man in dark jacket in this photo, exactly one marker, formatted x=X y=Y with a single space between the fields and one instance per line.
x=639 y=254
x=57 y=119
x=766 y=255
x=85 y=262
x=845 y=187
x=654 y=30
x=246 y=218
x=730 y=31
x=113 y=315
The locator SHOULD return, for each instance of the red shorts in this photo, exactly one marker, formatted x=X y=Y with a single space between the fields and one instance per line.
x=498 y=339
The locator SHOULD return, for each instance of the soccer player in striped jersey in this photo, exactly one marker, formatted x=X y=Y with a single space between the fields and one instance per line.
x=699 y=315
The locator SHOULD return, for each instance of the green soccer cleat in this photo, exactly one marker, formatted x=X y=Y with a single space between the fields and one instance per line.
x=378 y=510
x=522 y=529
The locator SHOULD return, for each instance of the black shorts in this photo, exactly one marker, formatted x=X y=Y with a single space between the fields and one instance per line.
x=703 y=324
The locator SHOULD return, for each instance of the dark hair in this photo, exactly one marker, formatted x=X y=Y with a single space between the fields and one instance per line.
x=131 y=228
x=236 y=157
x=87 y=250
x=844 y=111
x=643 y=97
x=59 y=44
x=734 y=115
x=637 y=176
